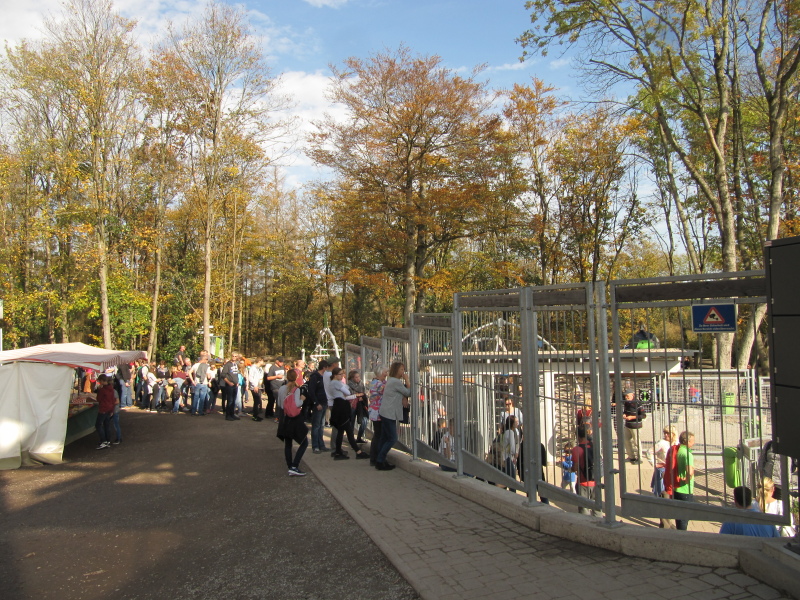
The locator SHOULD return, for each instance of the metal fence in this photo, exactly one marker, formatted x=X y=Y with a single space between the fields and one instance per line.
x=501 y=386
x=722 y=414
x=433 y=406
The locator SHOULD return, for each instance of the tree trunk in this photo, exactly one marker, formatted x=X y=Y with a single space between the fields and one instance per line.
x=102 y=259
x=207 y=283
x=151 y=342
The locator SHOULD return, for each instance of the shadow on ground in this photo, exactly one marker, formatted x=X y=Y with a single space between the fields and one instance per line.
x=185 y=507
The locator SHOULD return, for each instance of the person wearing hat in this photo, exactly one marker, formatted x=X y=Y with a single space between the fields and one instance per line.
x=633 y=414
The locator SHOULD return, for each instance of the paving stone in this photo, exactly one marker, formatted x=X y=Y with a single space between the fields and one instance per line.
x=452 y=548
x=694 y=569
x=713 y=579
x=741 y=579
x=764 y=591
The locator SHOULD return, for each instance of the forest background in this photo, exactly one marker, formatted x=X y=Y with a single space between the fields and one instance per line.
x=143 y=202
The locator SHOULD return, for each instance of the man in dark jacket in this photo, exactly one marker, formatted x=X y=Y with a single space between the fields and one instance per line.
x=319 y=406
x=230 y=383
x=633 y=414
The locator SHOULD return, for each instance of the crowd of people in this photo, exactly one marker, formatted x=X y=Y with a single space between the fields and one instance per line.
x=297 y=394
x=324 y=394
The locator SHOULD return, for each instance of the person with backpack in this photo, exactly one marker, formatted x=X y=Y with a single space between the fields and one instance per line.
x=292 y=427
x=679 y=473
x=658 y=458
x=583 y=465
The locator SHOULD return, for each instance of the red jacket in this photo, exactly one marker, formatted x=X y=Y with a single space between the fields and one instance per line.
x=671 y=469
x=106 y=399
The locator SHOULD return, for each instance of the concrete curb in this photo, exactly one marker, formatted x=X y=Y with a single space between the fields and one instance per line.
x=766 y=560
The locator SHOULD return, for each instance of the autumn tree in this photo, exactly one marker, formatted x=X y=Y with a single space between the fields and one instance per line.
x=413 y=156
x=233 y=97
x=689 y=60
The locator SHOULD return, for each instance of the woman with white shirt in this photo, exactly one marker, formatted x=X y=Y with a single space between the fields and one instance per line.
x=395 y=398
x=772 y=506
x=658 y=458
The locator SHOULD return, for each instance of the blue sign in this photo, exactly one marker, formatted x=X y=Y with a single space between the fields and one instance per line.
x=713 y=318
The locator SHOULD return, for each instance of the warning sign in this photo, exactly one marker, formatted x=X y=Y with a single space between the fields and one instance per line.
x=713 y=318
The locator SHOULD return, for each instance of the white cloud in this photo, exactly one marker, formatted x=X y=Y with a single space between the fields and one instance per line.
x=24 y=20
x=328 y=3
x=516 y=66
x=560 y=63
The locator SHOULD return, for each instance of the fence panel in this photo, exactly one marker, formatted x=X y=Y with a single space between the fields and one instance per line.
x=433 y=408
x=353 y=360
x=569 y=398
x=676 y=377
x=488 y=371
x=397 y=348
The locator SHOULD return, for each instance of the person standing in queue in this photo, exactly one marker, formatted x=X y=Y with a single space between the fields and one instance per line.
x=276 y=379
x=395 y=398
x=292 y=427
x=319 y=404
x=230 y=385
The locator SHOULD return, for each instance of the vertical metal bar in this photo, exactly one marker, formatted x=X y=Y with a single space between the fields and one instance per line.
x=458 y=384
x=531 y=412
x=604 y=405
x=618 y=396
x=414 y=401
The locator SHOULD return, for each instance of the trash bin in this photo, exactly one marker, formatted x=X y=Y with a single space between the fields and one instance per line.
x=728 y=403
x=730 y=463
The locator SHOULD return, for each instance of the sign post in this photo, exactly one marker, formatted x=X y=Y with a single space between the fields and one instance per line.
x=713 y=318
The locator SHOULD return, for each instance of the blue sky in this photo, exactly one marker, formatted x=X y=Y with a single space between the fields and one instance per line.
x=302 y=37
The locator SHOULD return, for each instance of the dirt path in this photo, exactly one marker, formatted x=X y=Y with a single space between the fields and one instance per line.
x=185 y=507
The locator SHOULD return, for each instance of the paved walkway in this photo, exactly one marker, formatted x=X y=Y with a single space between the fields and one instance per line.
x=451 y=549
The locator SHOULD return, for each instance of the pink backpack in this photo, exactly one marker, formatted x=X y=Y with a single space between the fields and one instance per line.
x=290 y=407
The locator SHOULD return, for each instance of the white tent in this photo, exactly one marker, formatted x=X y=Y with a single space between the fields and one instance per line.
x=35 y=388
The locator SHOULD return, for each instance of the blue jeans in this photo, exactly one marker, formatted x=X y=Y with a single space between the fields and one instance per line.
x=680 y=524
x=103 y=426
x=158 y=396
x=125 y=397
x=178 y=402
x=115 y=419
x=317 y=428
x=199 y=398
x=388 y=437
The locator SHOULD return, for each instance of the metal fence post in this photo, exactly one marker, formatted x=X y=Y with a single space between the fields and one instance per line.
x=458 y=385
x=607 y=444
x=531 y=403
x=414 y=402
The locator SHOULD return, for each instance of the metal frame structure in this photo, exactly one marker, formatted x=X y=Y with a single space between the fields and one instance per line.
x=550 y=350
x=722 y=408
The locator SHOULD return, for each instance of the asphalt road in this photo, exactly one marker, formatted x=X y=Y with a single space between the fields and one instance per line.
x=185 y=507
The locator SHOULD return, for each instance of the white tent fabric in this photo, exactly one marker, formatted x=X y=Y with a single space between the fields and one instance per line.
x=74 y=354
x=35 y=388
x=34 y=402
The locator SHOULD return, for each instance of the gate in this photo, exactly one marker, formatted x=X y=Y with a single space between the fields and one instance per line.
x=684 y=383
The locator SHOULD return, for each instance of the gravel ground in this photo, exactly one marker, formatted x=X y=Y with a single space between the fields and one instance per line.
x=185 y=507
